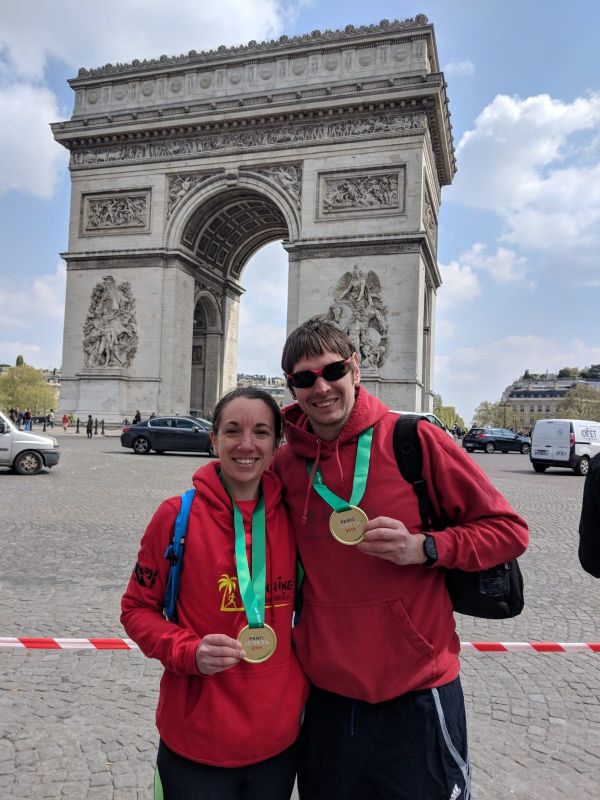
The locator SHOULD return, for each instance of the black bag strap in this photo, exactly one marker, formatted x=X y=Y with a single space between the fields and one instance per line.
x=407 y=449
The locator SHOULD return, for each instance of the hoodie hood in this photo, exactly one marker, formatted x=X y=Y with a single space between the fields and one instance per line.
x=367 y=410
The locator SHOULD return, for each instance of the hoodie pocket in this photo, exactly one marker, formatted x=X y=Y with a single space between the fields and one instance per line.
x=369 y=650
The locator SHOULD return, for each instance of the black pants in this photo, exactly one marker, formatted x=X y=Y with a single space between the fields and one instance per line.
x=414 y=746
x=183 y=779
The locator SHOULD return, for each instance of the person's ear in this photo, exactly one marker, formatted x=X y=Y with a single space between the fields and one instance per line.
x=213 y=440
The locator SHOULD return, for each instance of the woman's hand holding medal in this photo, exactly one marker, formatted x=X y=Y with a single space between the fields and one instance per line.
x=390 y=539
x=218 y=652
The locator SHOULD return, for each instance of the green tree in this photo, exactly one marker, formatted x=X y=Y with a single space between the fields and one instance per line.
x=486 y=413
x=24 y=387
x=580 y=402
x=568 y=372
x=20 y=361
x=591 y=373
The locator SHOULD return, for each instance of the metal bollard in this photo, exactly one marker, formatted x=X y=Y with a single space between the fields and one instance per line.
x=102 y=423
x=78 y=423
x=96 y=427
x=44 y=426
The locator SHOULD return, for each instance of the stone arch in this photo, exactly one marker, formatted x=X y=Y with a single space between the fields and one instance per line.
x=206 y=351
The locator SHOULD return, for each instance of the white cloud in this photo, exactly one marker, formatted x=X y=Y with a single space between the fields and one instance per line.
x=459 y=285
x=459 y=69
x=469 y=375
x=30 y=159
x=263 y=311
x=504 y=265
x=36 y=310
x=91 y=34
x=535 y=163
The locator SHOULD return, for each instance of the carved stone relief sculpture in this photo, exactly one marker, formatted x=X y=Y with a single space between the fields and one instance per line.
x=358 y=310
x=118 y=213
x=109 y=332
x=296 y=134
x=288 y=177
x=181 y=185
x=378 y=191
x=429 y=219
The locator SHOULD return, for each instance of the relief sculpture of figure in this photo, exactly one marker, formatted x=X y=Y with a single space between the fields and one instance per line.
x=109 y=333
x=359 y=312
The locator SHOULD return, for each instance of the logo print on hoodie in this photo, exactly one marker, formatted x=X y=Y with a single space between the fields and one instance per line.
x=278 y=592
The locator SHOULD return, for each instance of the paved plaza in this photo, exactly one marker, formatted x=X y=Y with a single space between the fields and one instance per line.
x=80 y=724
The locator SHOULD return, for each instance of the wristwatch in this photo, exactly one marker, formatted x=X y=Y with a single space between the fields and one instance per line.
x=430 y=550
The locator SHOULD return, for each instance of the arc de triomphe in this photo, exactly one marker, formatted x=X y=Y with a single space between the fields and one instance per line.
x=182 y=168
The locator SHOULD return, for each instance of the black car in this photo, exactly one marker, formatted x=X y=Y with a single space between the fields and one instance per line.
x=187 y=434
x=491 y=439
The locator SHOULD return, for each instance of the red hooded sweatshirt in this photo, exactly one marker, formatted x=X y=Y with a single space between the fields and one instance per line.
x=250 y=712
x=370 y=629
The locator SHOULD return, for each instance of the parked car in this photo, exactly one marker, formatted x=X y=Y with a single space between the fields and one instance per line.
x=431 y=417
x=27 y=453
x=568 y=443
x=491 y=439
x=187 y=434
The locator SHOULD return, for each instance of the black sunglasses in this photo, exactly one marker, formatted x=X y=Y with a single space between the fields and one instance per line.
x=330 y=372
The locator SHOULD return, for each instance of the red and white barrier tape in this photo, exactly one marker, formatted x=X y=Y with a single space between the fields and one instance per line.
x=48 y=643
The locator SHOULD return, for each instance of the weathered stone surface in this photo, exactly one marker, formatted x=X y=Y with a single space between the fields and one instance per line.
x=182 y=168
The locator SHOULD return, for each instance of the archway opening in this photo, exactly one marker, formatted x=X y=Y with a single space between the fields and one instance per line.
x=238 y=327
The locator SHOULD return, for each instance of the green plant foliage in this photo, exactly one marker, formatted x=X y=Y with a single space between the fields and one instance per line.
x=24 y=387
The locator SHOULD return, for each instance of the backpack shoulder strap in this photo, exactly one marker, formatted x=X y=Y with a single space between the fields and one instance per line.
x=409 y=457
x=174 y=553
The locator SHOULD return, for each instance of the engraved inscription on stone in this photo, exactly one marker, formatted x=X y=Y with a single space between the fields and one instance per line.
x=284 y=135
x=373 y=191
x=358 y=310
x=109 y=332
x=123 y=212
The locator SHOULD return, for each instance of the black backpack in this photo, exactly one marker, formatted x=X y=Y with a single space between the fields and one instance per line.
x=495 y=593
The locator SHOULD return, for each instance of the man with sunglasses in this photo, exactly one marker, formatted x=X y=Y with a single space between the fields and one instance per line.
x=376 y=634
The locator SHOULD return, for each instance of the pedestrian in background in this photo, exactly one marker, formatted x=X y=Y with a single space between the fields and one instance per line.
x=589 y=524
x=50 y=418
x=27 y=420
x=89 y=426
x=65 y=422
x=137 y=418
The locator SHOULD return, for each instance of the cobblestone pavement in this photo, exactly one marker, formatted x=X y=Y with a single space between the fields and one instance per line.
x=81 y=724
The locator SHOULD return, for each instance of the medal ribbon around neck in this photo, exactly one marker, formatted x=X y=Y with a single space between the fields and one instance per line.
x=348 y=520
x=252 y=588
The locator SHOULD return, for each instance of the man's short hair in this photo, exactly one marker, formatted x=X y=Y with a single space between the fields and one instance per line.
x=313 y=338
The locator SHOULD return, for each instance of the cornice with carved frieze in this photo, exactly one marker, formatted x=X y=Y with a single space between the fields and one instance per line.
x=285 y=43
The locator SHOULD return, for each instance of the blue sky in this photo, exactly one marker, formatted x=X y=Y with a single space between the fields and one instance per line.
x=519 y=238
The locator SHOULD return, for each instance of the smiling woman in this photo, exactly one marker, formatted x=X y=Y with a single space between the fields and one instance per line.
x=233 y=612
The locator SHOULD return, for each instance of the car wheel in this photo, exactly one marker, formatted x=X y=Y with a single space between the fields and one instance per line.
x=540 y=467
x=141 y=446
x=583 y=466
x=525 y=449
x=489 y=448
x=28 y=463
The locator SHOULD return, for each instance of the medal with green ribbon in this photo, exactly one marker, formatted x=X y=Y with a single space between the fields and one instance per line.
x=347 y=522
x=258 y=639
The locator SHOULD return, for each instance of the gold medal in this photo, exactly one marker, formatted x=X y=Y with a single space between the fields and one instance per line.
x=259 y=643
x=348 y=526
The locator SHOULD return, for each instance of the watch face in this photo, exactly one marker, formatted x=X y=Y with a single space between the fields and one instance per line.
x=430 y=548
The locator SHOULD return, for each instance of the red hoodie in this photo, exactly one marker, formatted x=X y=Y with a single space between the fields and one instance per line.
x=250 y=712
x=371 y=629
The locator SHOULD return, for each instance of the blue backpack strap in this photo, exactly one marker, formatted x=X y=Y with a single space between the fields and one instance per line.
x=174 y=554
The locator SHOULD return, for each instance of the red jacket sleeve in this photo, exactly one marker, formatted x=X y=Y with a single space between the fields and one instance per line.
x=143 y=602
x=483 y=529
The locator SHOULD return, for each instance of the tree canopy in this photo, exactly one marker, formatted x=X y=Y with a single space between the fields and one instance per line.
x=580 y=402
x=24 y=387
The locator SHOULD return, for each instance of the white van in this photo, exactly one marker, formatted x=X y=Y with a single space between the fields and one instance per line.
x=27 y=453
x=569 y=443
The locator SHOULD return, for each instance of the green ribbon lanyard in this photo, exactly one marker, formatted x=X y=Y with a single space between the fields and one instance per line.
x=252 y=588
x=361 y=472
